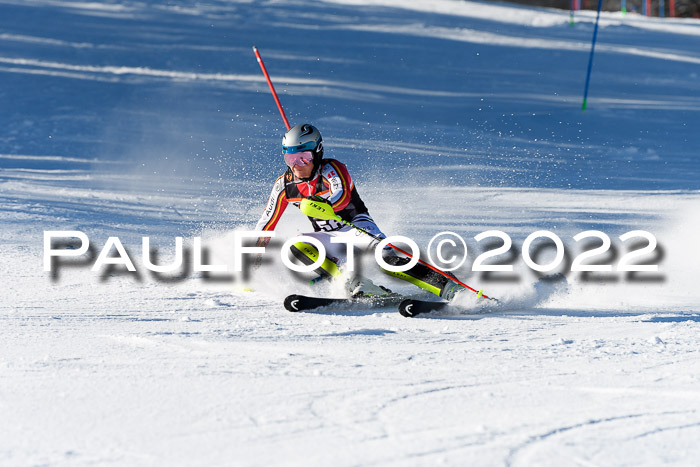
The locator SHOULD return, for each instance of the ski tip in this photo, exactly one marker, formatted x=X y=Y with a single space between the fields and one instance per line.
x=406 y=308
x=411 y=307
x=291 y=303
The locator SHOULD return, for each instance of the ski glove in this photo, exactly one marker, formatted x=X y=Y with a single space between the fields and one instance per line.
x=257 y=260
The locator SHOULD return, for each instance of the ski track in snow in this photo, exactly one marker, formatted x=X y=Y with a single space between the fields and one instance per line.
x=132 y=119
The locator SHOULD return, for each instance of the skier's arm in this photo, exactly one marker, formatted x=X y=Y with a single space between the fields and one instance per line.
x=276 y=204
x=337 y=179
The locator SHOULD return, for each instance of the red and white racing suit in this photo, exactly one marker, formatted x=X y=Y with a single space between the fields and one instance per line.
x=334 y=184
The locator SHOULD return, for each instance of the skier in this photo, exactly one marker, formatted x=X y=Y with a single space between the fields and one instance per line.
x=309 y=175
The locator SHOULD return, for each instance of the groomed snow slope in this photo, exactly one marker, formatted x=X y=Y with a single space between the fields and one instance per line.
x=128 y=119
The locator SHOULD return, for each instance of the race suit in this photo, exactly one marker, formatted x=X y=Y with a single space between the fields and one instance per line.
x=334 y=184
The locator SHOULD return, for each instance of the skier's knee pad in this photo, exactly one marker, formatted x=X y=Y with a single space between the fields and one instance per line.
x=308 y=254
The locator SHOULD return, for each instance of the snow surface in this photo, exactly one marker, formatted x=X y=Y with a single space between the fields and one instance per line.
x=127 y=119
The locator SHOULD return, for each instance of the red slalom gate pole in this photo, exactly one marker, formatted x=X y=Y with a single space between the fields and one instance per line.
x=324 y=211
x=272 y=88
x=481 y=294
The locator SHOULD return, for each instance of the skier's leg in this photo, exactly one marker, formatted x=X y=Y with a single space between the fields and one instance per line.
x=308 y=254
x=419 y=275
x=356 y=284
x=333 y=266
x=422 y=276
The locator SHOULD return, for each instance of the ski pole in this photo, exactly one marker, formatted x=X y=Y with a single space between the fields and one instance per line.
x=321 y=211
x=272 y=88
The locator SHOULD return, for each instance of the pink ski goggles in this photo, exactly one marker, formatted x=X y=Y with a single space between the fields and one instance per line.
x=299 y=158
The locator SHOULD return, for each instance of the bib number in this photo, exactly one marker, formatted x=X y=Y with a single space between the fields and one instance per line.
x=329 y=225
